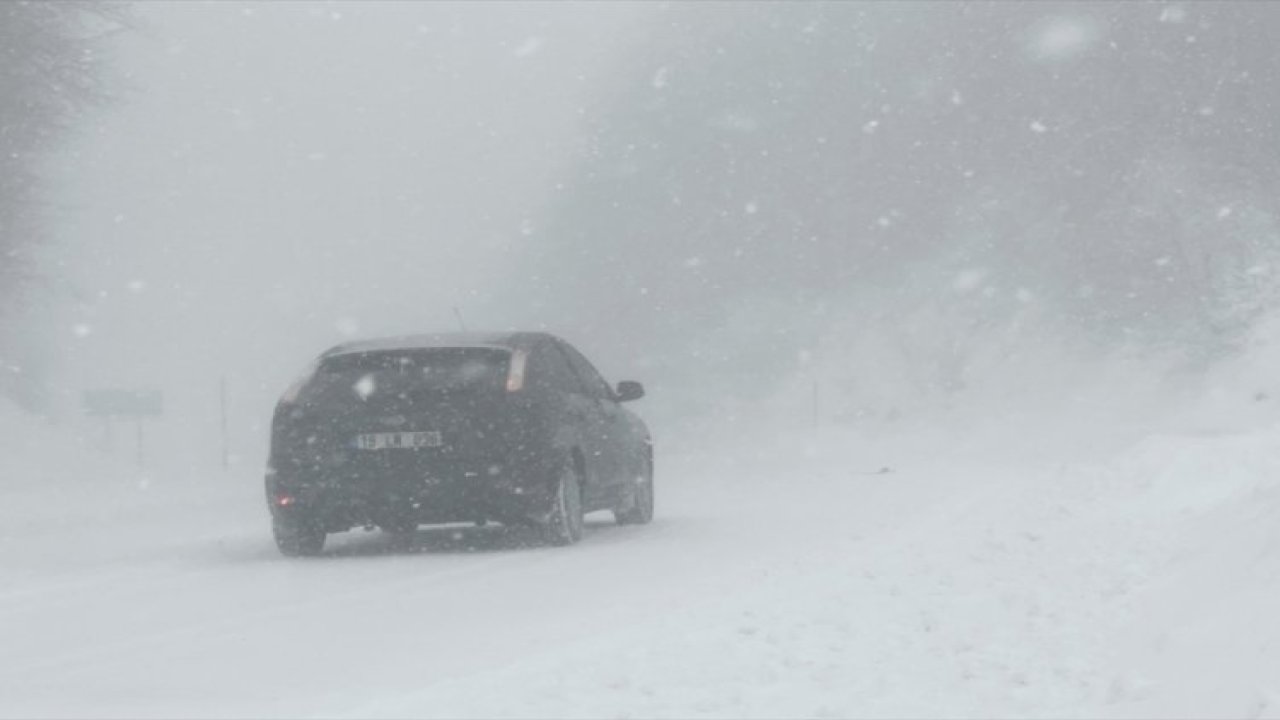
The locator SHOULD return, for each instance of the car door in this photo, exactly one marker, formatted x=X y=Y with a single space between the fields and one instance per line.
x=611 y=426
x=578 y=420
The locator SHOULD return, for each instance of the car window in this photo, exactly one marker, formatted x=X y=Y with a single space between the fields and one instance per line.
x=549 y=370
x=595 y=384
x=415 y=370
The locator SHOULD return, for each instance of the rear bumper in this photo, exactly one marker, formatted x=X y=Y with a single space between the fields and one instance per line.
x=441 y=493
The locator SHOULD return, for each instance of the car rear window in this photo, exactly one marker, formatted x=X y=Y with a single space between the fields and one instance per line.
x=418 y=370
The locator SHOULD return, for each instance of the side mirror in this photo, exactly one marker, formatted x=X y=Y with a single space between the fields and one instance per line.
x=629 y=390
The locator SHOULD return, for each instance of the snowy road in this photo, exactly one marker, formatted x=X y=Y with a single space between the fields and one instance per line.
x=776 y=583
x=174 y=599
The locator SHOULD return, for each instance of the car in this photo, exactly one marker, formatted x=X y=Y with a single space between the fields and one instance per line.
x=517 y=428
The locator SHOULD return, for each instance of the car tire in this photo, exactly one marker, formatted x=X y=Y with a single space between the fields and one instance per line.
x=564 y=525
x=639 y=510
x=297 y=537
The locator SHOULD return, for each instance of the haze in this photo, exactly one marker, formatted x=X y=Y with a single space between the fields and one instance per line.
x=957 y=323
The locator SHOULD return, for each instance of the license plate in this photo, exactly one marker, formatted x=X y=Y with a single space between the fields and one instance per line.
x=397 y=440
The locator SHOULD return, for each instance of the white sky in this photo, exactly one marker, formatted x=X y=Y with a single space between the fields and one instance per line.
x=278 y=174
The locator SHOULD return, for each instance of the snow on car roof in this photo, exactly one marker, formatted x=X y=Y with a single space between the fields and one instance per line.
x=439 y=340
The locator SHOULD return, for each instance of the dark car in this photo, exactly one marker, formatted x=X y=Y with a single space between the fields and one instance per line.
x=516 y=428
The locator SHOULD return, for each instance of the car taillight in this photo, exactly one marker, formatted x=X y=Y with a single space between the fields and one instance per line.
x=515 y=376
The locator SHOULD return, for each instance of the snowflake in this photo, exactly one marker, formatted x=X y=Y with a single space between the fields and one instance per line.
x=365 y=387
x=530 y=46
x=346 y=326
x=968 y=280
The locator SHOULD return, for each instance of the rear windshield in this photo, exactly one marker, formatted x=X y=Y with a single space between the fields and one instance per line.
x=430 y=370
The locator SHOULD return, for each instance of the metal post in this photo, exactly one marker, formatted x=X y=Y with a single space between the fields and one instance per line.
x=138 y=419
x=815 y=405
x=222 y=403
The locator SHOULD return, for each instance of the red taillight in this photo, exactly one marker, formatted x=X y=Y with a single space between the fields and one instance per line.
x=286 y=500
x=515 y=376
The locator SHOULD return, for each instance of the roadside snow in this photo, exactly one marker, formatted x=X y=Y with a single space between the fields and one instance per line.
x=1141 y=587
x=787 y=575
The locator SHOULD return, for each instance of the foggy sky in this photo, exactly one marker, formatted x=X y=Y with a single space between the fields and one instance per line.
x=900 y=202
x=276 y=177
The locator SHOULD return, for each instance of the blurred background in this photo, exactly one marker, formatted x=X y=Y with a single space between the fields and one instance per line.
x=876 y=215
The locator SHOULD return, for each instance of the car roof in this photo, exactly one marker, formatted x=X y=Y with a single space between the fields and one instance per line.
x=506 y=341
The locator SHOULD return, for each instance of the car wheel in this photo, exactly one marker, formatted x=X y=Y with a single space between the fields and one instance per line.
x=564 y=526
x=297 y=537
x=640 y=509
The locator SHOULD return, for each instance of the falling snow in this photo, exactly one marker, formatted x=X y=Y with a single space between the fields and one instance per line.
x=1173 y=14
x=660 y=77
x=346 y=326
x=937 y=305
x=365 y=386
x=531 y=46
x=1062 y=38
x=968 y=280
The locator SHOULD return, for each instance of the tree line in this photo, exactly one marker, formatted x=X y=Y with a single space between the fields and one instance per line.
x=51 y=71
x=755 y=178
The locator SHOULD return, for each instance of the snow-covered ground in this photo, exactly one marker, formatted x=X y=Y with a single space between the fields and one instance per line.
x=784 y=577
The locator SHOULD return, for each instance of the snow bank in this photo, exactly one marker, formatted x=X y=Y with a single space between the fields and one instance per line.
x=1138 y=585
x=38 y=454
x=1104 y=560
x=1205 y=641
x=56 y=479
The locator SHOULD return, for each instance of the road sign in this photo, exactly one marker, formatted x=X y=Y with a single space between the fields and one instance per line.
x=109 y=403
x=114 y=402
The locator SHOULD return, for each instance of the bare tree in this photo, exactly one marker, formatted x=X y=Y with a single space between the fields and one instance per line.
x=1100 y=159
x=49 y=73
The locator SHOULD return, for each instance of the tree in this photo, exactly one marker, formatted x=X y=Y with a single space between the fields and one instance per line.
x=835 y=157
x=49 y=72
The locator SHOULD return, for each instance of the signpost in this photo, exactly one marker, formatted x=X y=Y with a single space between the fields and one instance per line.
x=222 y=419
x=111 y=403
